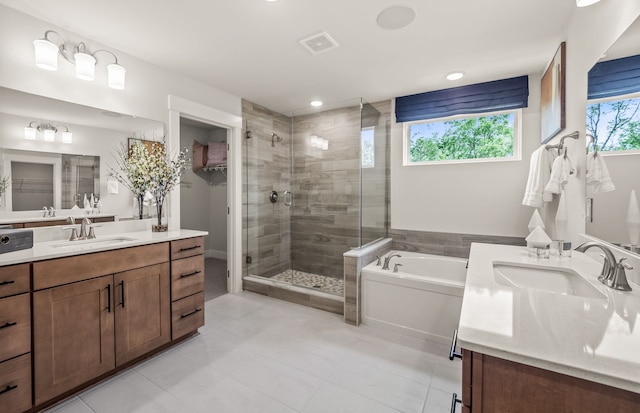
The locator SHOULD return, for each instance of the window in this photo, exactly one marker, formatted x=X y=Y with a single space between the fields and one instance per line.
x=368 y=147
x=615 y=123
x=485 y=137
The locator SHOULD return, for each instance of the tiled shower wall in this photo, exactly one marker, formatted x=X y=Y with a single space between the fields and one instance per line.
x=266 y=235
x=326 y=186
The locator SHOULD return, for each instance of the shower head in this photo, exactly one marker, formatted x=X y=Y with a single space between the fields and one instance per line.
x=275 y=138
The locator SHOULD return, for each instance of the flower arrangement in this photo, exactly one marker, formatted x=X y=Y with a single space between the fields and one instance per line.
x=5 y=182
x=149 y=169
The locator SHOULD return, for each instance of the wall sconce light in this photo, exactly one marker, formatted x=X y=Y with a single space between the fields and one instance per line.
x=48 y=130
x=46 y=54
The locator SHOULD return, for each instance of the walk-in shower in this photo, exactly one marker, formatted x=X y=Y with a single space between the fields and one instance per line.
x=319 y=192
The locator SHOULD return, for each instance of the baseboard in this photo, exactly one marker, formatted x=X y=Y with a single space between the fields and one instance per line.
x=221 y=255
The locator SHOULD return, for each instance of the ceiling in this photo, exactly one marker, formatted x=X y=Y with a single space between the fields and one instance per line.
x=250 y=48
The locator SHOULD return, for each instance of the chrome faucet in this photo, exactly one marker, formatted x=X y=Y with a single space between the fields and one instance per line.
x=619 y=279
x=52 y=212
x=74 y=233
x=609 y=266
x=385 y=266
x=86 y=222
x=45 y=211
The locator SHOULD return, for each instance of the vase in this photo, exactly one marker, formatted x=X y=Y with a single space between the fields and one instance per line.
x=161 y=223
x=140 y=204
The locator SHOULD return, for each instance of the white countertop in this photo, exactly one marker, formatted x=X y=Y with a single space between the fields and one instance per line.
x=46 y=250
x=596 y=339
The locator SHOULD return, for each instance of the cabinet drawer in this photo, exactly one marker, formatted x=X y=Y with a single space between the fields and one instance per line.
x=187 y=315
x=187 y=277
x=183 y=248
x=15 y=384
x=15 y=326
x=61 y=271
x=14 y=279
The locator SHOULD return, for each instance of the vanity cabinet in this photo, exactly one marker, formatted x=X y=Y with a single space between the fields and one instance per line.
x=73 y=335
x=95 y=312
x=142 y=311
x=187 y=286
x=15 y=339
x=491 y=384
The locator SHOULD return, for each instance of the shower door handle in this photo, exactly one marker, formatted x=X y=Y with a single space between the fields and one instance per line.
x=288 y=198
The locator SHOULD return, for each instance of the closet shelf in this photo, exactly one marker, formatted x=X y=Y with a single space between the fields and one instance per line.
x=219 y=168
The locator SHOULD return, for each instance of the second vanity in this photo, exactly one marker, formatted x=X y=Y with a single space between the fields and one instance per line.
x=544 y=335
x=75 y=312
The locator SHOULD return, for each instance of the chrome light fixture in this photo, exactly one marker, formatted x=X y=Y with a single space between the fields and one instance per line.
x=46 y=55
x=48 y=131
x=585 y=3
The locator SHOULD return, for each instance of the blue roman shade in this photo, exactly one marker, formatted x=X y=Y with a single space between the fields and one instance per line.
x=493 y=96
x=614 y=78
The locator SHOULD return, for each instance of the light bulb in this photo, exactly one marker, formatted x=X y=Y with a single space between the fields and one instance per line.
x=30 y=133
x=67 y=137
x=49 y=135
x=85 y=66
x=46 y=54
x=116 y=75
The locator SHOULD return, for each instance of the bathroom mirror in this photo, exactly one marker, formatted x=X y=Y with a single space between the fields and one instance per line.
x=59 y=173
x=607 y=211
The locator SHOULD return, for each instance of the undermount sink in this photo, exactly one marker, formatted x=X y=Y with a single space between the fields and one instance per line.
x=90 y=243
x=547 y=279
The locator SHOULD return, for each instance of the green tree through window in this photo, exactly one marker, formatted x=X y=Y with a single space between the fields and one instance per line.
x=482 y=137
x=615 y=124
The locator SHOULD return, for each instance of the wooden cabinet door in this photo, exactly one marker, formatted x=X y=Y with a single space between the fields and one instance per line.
x=73 y=335
x=143 y=317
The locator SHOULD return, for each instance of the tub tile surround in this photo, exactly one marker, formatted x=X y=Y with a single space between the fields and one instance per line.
x=263 y=355
x=354 y=261
x=444 y=243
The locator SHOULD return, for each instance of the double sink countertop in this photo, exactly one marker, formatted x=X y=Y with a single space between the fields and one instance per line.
x=57 y=249
x=536 y=312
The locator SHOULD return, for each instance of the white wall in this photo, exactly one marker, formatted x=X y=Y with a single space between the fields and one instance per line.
x=486 y=198
x=147 y=86
x=472 y=198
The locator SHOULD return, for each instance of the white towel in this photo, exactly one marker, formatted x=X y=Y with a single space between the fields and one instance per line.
x=539 y=171
x=112 y=185
x=560 y=170
x=598 y=174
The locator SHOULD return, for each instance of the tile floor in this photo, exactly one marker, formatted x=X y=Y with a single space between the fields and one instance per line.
x=259 y=354
x=215 y=278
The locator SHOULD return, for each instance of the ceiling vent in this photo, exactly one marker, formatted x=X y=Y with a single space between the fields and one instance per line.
x=318 y=43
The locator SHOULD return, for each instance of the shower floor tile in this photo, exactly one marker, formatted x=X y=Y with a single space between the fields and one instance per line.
x=317 y=282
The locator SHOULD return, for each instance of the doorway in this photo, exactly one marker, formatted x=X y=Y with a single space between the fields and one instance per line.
x=203 y=197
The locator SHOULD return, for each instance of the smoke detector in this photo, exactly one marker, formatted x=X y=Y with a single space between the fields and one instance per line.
x=318 y=43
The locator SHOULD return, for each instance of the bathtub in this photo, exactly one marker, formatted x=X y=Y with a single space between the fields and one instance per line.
x=423 y=299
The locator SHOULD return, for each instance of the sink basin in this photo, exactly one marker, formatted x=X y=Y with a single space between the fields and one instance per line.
x=90 y=243
x=548 y=279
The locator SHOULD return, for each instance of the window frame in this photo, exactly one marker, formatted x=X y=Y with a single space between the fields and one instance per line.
x=517 y=139
x=615 y=152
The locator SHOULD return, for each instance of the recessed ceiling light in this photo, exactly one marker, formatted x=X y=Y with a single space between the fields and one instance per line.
x=316 y=103
x=585 y=3
x=455 y=75
x=396 y=17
